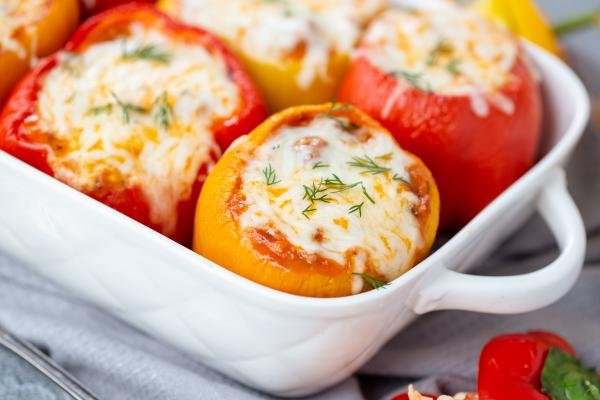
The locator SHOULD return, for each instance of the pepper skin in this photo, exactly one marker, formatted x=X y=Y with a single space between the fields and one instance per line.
x=56 y=21
x=510 y=366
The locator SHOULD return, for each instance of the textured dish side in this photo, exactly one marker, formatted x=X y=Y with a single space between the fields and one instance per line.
x=264 y=338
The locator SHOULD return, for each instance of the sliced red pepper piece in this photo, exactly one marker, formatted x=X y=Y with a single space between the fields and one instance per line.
x=510 y=366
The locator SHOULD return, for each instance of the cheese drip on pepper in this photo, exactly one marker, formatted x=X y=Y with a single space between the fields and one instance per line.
x=274 y=31
x=136 y=111
x=16 y=19
x=343 y=194
x=450 y=52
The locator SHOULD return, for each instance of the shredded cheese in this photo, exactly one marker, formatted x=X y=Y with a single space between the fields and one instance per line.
x=449 y=51
x=273 y=30
x=136 y=111
x=17 y=18
x=414 y=395
x=365 y=221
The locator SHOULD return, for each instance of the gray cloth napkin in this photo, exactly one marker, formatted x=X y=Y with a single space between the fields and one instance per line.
x=439 y=350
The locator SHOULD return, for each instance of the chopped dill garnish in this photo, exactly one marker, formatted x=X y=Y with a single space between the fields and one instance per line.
x=356 y=208
x=364 y=190
x=397 y=177
x=72 y=64
x=368 y=165
x=371 y=281
x=415 y=79
x=442 y=47
x=319 y=164
x=147 y=52
x=128 y=108
x=103 y=109
x=163 y=112
x=316 y=192
x=347 y=126
x=309 y=209
x=453 y=66
x=337 y=185
x=270 y=175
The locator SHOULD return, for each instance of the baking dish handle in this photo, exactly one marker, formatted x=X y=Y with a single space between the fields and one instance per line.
x=451 y=290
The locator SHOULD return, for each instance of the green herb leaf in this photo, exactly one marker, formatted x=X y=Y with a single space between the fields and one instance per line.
x=581 y=21
x=368 y=165
x=147 y=52
x=163 y=112
x=442 y=47
x=397 y=177
x=320 y=165
x=128 y=108
x=371 y=281
x=367 y=195
x=270 y=175
x=415 y=79
x=453 y=67
x=564 y=377
x=309 y=209
x=356 y=208
x=344 y=125
x=103 y=109
x=337 y=185
x=316 y=192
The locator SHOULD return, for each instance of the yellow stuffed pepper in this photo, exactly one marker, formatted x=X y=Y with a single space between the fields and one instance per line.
x=318 y=201
x=297 y=51
x=30 y=29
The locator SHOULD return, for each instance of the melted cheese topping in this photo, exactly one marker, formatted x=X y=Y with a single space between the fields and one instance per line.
x=18 y=16
x=450 y=51
x=274 y=30
x=136 y=111
x=365 y=220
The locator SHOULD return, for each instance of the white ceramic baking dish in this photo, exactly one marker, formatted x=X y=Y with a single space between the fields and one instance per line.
x=276 y=342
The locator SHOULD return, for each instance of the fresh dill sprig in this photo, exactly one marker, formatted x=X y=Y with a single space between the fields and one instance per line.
x=337 y=185
x=453 y=66
x=146 y=52
x=270 y=175
x=368 y=165
x=344 y=125
x=163 y=112
x=356 y=208
x=415 y=79
x=309 y=209
x=103 y=109
x=128 y=108
x=364 y=190
x=397 y=177
x=319 y=164
x=316 y=192
x=442 y=47
x=371 y=281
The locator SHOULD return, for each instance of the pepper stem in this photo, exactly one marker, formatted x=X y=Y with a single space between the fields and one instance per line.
x=578 y=22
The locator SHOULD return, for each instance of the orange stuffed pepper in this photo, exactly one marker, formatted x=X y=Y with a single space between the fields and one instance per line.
x=297 y=51
x=318 y=201
x=133 y=113
x=30 y=29
x=458 y=91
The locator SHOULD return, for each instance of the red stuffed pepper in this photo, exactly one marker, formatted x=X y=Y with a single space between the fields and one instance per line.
x=132 y=113
x=456 y=90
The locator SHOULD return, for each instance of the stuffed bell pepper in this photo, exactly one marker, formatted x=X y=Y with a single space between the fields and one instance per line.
x=458 y=91
x=318 y=201
x=132 y=113
x=30 y=29
x=297 y=51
